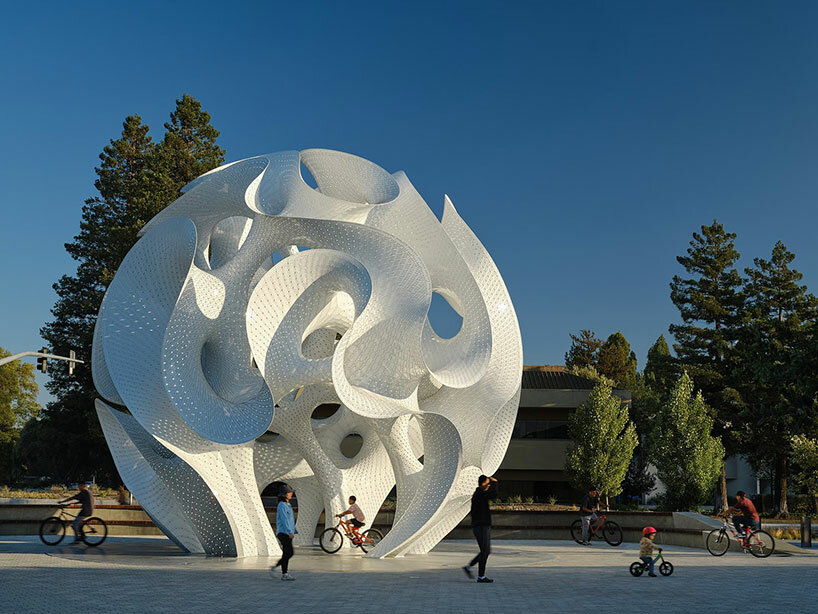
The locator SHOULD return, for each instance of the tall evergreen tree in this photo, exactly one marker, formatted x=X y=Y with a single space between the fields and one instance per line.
x=584 y=349
x=777 y=383
x=660 y=369
x=688 y=458
x=711 y=304
x=616 y=361
x=136 y=178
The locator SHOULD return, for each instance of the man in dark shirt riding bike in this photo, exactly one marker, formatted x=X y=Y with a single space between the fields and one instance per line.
x=86 y=499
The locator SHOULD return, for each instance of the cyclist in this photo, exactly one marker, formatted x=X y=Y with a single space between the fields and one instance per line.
x=748 y=516
x=358 y=519
x=587 y=513
x=646 y=548
x=86 y=500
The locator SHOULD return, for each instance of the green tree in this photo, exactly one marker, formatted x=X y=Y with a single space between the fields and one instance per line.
x=584 y=349
x=18 y=404
x=711 y=304
x=136 y=178
x=616 y=361
x=774 y=354
x=603 y=442
x=805 y=456
x=687 y=456
x=660 y=369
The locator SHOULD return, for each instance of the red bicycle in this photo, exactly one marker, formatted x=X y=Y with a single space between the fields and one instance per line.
x=332 y=539
x=757 y=542
x=601 y=529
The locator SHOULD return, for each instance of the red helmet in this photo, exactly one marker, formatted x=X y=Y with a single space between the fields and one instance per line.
x=648 y=530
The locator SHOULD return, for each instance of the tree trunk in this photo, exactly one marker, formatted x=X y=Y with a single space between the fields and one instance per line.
x=782 y=507
x=723 y=486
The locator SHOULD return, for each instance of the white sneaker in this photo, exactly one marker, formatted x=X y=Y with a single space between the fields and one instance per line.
x=287 y=577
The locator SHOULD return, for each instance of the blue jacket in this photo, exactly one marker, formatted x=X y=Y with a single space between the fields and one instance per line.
x=285 y=519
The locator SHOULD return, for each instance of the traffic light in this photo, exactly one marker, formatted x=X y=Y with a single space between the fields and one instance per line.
x=72 y=356
x=42 y=361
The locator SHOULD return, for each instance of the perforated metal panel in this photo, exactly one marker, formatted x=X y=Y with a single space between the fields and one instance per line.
x=253 y=299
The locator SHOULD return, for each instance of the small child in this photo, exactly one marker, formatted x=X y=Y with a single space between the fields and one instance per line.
x=646 y=547
x=358 y=519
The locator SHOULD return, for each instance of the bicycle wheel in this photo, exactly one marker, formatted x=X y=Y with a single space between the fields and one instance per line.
x=612 y=533
x=331 y=540
x=666 y=568
x=576 y=531
x=371 y=538
x=52 y=531
x=761 y=544
x=94 y=531
x=637 y=569
x=718 y=542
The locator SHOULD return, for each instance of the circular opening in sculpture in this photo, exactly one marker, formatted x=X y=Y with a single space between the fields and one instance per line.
x=324 y=411
x=351 y=445
x=443 y=318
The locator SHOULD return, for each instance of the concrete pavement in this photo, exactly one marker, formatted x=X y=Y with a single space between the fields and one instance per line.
x=150 y=575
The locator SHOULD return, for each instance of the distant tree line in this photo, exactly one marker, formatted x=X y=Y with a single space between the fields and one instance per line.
x=749 y=345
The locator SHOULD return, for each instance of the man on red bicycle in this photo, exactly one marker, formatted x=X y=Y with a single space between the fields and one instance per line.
x=358 y=519
x=587 y=513
x=748 y=516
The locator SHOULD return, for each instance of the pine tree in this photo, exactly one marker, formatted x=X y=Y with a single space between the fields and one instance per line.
x=773 y=365
x=136 y=178
x=616 y=361
x=687 y=457
x=711 y=304
x=660 y=369
x=603 y=440
x=584 y=349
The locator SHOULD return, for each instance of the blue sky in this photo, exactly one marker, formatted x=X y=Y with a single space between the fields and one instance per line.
x=583 y=141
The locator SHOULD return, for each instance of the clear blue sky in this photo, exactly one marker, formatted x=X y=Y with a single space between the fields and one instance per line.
x=583 y=141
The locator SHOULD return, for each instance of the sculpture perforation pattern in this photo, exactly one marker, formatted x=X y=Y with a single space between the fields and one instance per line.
x=218 y=330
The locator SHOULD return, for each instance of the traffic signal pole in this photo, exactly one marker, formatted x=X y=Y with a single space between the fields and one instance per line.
x=44 y=355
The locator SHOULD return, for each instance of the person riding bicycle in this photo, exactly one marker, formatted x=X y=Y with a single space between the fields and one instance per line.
x=358 y=519
x=587 y=513
x=748 y=516
x=86 y=500
x=646 y=547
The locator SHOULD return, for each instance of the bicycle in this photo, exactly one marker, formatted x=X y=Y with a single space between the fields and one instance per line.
x=603 y=529
x=53 y=529
x=640 y=567
x=757 y=542
x=332 y=539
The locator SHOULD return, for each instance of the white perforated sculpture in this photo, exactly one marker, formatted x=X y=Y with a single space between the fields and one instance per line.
x=221 y=334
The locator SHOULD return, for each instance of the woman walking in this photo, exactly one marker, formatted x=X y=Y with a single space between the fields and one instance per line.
x=285 y=531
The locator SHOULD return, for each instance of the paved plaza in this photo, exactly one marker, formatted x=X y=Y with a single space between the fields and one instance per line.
x=150 y=575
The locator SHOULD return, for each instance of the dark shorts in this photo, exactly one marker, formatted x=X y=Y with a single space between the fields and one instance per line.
x=356 y=523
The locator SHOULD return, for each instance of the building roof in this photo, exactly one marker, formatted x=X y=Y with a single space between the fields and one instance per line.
x=553 y=377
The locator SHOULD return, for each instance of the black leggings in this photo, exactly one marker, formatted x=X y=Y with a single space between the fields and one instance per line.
x=286 y=551
x=483 y=537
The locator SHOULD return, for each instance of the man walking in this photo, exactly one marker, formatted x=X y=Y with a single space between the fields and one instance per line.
x=481 y=525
